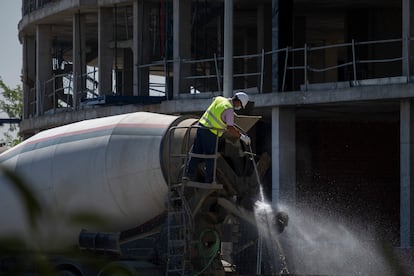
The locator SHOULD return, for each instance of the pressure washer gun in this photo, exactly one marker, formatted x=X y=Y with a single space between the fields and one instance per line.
x=281 y=218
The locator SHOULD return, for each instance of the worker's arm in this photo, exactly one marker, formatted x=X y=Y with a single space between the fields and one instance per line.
x=233 y=131
x=228 y=117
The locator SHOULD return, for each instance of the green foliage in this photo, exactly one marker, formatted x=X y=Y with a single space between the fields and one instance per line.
x=32 y=206
x=14 y=248
x=12 y=105
x=23 y=257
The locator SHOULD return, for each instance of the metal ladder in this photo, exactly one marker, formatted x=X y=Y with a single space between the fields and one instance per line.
x=179 y=232
x=180 y=217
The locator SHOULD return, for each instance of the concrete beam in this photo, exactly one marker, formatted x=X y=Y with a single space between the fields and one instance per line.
x=49 y=10
x=346 y=95
x=198 y=103
x=407 y=173
x=109 y=2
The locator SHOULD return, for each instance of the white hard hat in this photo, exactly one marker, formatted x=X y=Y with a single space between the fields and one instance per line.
x=242 y=97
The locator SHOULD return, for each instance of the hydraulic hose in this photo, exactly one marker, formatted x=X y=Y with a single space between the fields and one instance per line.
x=208 y=252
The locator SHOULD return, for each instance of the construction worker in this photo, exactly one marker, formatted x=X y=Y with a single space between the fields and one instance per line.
x=218 y=118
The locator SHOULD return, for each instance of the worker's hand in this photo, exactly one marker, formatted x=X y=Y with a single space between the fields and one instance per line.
x=245 y=139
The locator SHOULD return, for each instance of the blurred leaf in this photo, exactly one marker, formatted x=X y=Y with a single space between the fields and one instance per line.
x=32 y=206
x=11 y=245
x=43 y=265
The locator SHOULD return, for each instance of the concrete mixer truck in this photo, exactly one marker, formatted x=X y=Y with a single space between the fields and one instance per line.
x=126 y=171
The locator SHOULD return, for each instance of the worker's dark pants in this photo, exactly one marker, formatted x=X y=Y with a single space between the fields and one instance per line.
x=204 y=143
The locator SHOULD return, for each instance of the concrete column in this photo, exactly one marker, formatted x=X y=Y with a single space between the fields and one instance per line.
x=182 y=45
x=127 y=73
x=406 y=34
x=283 y=156
x=29 y=75
x=407 y=173
x=228 y=49
x=275 y=45
x=141 y=49
x=105 y=53
x=43 y=68
x=79 y=58
x=260 y=26
x=264 y=41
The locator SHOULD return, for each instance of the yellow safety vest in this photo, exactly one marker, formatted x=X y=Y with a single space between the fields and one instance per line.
x=212 y=117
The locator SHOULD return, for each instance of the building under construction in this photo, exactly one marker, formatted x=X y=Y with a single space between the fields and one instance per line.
x=331 y=81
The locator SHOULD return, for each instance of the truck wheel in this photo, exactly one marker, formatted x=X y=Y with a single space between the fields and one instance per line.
x=116 y=270
x=68 y=270
x=68 y=273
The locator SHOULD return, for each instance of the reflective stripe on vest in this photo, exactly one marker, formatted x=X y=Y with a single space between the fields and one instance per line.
x=212 y=117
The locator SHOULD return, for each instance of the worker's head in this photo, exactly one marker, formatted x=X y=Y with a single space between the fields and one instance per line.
x=240 y=100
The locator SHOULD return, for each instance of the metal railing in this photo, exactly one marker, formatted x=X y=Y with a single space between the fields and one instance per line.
x=59 y=92
x=156 y=68
x=353 y=63
x=302 y=68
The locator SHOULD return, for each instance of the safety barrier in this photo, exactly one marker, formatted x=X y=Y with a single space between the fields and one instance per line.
x=303 y=68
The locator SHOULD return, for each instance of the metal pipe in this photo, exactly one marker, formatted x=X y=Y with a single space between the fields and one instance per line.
x=285 y=69
x=353 y=59
x=217 y=73
x=262 y=71
x=305 y=65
